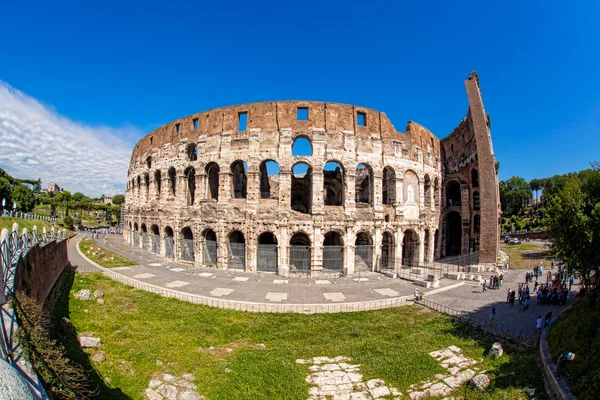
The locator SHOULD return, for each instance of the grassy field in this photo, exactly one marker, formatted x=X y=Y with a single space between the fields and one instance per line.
x=144 y=334
x=578 y=331
x=103 y=257
x=7 y=222
x=526 y=255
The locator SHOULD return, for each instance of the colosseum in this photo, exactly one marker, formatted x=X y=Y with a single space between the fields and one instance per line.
x=314 y=188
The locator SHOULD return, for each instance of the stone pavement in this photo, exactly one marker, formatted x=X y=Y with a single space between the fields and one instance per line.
x=252 y=291
x=479 y=304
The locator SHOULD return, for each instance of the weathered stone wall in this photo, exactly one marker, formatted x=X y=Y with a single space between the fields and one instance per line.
x=39 y=270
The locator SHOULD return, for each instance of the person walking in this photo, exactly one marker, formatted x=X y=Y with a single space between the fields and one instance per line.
x=508 y=294
x=539 y=323
x=483 y=284
x=512 y=298
x=492 y=317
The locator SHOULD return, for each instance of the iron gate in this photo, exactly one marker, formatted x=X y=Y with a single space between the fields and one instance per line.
x=169 y=244
x=363 y=258
x=237 y=256
x=136 y=239
x=144 y=241
x=333 y=258
x=267 y=258
x=187 y=250
x=209 y=252
x=156 y=244
x=300 y=258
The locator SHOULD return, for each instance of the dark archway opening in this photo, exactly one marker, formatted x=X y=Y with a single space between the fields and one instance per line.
x=173 y=180
x=269 y=180
x=212 y=171
x=389 y=186
x=363 y=184
x=169 y=242
x=333 y=184
x=387 y=252
x=410 y=248
x=301 y=196
x=474 y=178
x=155 y=239
x=333 y=252
x=453 y=233
x=267 y=252
x=239 y=179
x=157 y=182
x=237 y=250
x=187 y=244
x=300 y=252
x=209 y=251
x=363 y=253
x=453 y=194
x=190 y=176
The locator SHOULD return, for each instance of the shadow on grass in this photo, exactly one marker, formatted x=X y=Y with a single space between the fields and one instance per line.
x=65 y=334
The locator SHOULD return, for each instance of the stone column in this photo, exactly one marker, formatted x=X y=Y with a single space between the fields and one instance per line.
x=317 y=191
x=377 y=242
x=224 y=186
x=349 y=252
x=398 y=248
x=421 y=247
x=200 y=186
x=317 y=250
x=181 y=190
x=221 y=246
x=253 y=188
x=377 y=192
x=282 y=247
x=350 y=191
x=399 y=191
x=285 y=188
x=422 y=193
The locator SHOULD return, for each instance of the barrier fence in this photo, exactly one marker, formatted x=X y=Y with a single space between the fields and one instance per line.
x=411 y=270
x=526 y=337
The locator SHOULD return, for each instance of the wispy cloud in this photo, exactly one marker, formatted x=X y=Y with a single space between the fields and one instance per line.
x=37 y=142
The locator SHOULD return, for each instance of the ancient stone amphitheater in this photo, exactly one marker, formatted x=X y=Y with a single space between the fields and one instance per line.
x=303 y=187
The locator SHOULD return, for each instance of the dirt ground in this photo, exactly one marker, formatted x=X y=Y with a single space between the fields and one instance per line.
x=526 y=255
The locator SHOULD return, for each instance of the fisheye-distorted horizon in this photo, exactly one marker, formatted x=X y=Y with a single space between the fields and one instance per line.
x=82 y=83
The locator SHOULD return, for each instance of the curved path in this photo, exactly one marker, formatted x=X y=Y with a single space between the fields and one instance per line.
x=264 y=292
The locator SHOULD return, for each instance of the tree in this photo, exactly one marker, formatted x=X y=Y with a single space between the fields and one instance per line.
x=118 y=199
x=5 y=191
x=62 y=199
x=535 y=185
x=24 y=197
x=78 y=196
x=514 y=194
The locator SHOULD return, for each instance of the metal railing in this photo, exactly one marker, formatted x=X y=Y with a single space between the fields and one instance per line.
x=333 y=258
x=497 y=328
x=300 y=259
x=209 y=252
x=420 y=270
x=187 y=250
x=236 y=256
x=266 y=258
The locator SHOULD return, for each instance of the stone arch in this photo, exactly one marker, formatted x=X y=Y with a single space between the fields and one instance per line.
x=209 y=247
x=387 y=251
x=267 y=254
x=363 y=251
x=389 y=185
x=239 y=181
x=187 y=244
x=139 y=187
x=269 y=179
x=453 y=194
x=476 y=201
x=190 y=178
x=364 y=184
x=333 y=251
x=333 y=183
x=155 y=239
x=474 y=178
x=436 y=192
x=237 y=250
x=453 y=233
x=427 y=190
x=301 y=191
x=411 y=188
x=300 y=252
x=172 y=172
x=147 y=184
x=149 y=162
x=410 y=248
x=427 y=244
x=169 y=242
x=212 y=170
x=192 y=152
x=302 y=146
x=157 y=182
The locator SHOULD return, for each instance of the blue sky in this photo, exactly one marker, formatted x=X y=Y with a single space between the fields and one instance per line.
x=130 y=67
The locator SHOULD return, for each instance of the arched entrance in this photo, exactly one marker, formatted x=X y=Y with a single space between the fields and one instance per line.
x=169 y=242
x=333 y=252
x=300 y=253
x=155 y=239
x=136 y=235
x=187 y=245
x=190 y=177
x=267 y=252
x=410 y=248
x=212 y=172
x=453 y=227
x=144 y=237
x=387 y=252
x=363 y=253
x=453 y=194
x=209 y=247
x=237 y=250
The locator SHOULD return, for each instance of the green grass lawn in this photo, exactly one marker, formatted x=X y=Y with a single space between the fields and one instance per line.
x=145 y=334
x=103 y=257
x=7 y=222
x=526 y=255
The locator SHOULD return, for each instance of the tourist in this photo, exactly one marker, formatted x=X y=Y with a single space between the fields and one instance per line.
x=508 y=295
x=492 y=317
x=483 y=284
x=500 y=280
x=548 y=319
x=512 y=298
x=561 y=363
x=527 y=301
x=539 y=323
x=417 y=294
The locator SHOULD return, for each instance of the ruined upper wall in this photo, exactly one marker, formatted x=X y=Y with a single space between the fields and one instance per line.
x=332 y=118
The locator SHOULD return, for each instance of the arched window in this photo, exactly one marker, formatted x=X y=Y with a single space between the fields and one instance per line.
x=453 y=194
x=269 y=180
x=476 y=201
x=149 y=162
x=301 y=147
x=411 y=189
x=239 y=180
x=237 y=250
x=474 y=178
x=388 y=261
x=144 y=237
x=476 y=223
x=453 y=233
x=266 y=259
x=363 y=182
x=173 y=180
x=333 y=184
x=212 y=171
x=209 y=247
x=157 y=182
x=187 y=244
x=363 y=253
x=169 y=242
x=301 y=194
x=190 y=177
x=333 y=252
x=192 y=152
x=155 y=239
x=139 y=186
x=389 y=186
x=300 y=253
x=410 y=248
x=147 y=184
x=427 y=194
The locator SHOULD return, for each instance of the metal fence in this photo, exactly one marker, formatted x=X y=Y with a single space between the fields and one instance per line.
x=136 y=239
x=209 y=252
x=526 y=337
x=421 y=270
x=144 y=241
x=237 y=256
x=187 y=250
x=267 y=257
x=169 y=245
x=333 y=258
x=156 y=244
x=300 y=259
x=363 y=258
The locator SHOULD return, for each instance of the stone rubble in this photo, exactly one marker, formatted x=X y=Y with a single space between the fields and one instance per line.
x=335 y=378
x=88 y=341
x=98 y=294
x=480 y=382
x=496 y=350
x=83 y=294
x=170 y=387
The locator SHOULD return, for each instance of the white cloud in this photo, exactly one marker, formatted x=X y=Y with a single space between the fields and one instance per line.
x=37 y=142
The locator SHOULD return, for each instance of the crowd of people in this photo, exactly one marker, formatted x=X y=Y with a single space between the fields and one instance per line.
x=95 y=233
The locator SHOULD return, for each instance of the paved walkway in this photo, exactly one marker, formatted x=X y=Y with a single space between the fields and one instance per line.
x=369 y=291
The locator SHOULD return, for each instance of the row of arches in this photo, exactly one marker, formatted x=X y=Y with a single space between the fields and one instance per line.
x=453 y=196
x=204 y=249
x=334 y=184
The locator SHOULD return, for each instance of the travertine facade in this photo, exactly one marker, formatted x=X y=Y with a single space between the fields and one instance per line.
x=205 y=189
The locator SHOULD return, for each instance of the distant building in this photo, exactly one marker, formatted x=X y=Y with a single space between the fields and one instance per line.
x=53 y=188
x=108 y=199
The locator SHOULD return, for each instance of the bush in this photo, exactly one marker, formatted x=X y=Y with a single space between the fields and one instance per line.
x=68 y=222
x=61 y=378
